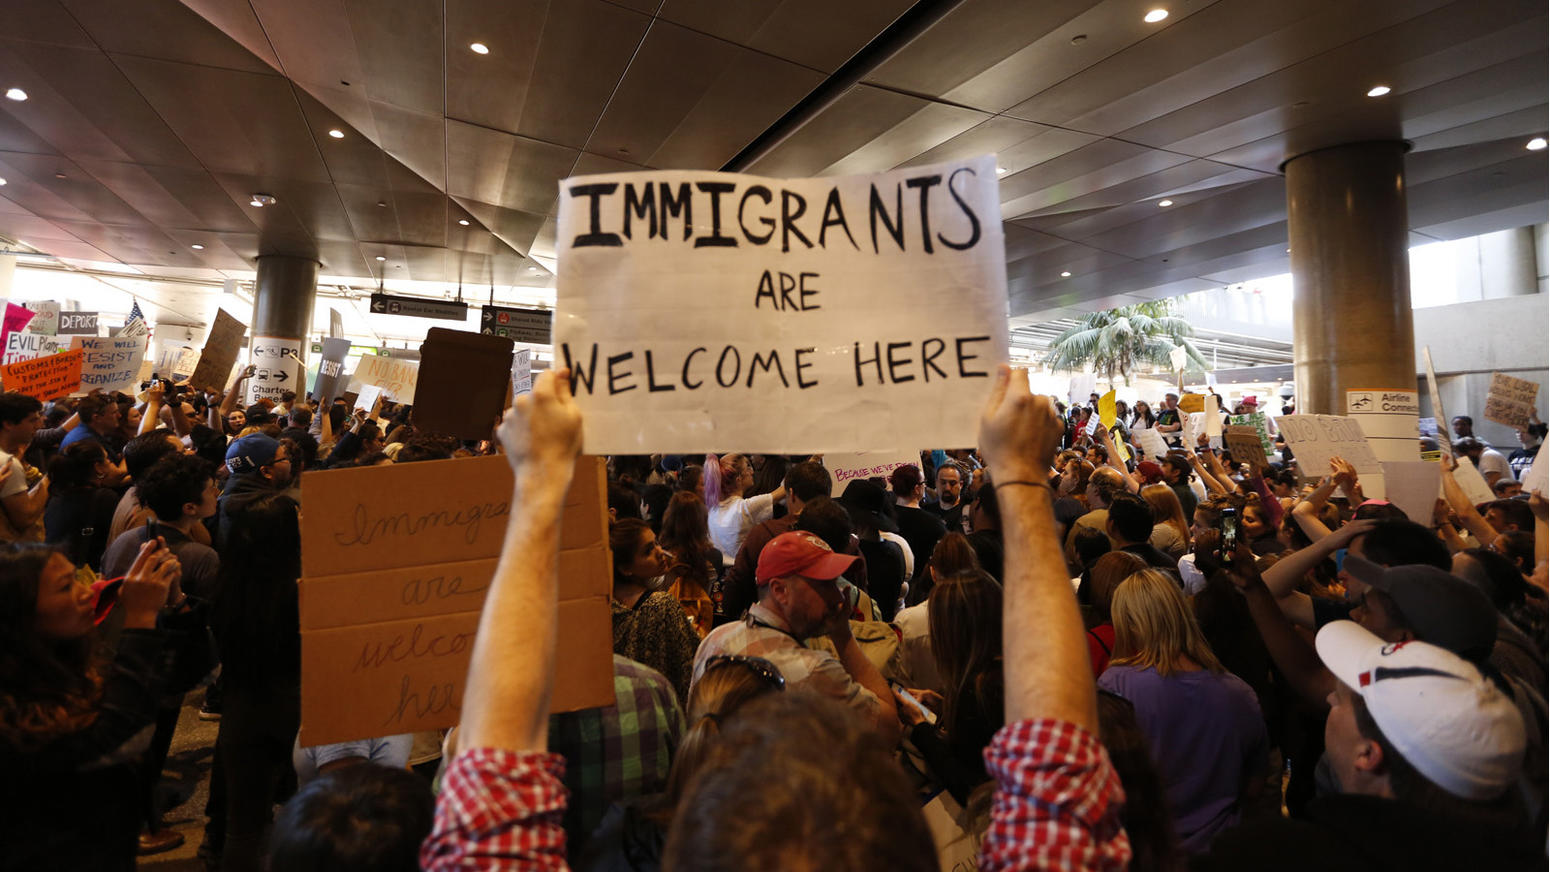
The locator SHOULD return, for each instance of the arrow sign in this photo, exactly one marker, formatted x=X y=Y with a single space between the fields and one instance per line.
x=418 y=307
x=532 y=326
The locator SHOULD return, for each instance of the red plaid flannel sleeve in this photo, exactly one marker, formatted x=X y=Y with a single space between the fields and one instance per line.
x=1057 y=801
x=499 y=810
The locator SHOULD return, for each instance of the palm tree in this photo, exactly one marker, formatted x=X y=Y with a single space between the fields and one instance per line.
x=1116 y=341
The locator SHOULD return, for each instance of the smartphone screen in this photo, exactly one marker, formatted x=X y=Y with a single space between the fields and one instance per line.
x=909 y=698
x=1229 y=529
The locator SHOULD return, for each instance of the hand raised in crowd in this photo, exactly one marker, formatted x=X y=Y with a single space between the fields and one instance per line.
x=543 y=427
x=148 y=584
x=1536 y=502
x=1019 y=432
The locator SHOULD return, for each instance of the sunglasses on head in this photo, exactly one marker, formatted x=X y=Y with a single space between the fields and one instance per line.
x=764 y=669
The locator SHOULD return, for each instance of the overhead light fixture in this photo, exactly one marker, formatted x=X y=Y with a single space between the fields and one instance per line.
x=1065 y=275
x=259 y=201
x=197 y=247
x=380 y=258
x=1535 y=144
x=16 y=94
x=478 y=48
x=1155 y=16
x=2 y=181
x=1000 y=171
x=463 y=221
x=336 y=133
x=1165 y=203
x=1379 y=90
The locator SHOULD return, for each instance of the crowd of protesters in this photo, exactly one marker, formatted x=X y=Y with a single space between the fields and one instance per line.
x=1075 y=655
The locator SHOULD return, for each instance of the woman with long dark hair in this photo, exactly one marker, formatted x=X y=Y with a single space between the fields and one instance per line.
x=694 y=565
x=257 y=627
x=72 y=728
x=649 y=625
x=80 y=508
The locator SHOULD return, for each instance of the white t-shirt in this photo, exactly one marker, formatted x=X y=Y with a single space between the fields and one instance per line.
x=1491 y=461
x=17 y=483
x=731 y=520
x=1194 y=580
x=909 y=555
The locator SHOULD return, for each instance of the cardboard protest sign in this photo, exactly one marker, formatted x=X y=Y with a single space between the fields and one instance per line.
x=1191 y=403
x=1082 y=386
x=522 y=372
x=464 y=378
x=1106 y=409
x=1445 y=440
x=111 y=363
x=1314 y=439
x=1261 y=424
x=1472 y=482
x=846 y=468
x=222 y=346
x=396 y=377
x=1246 y=447
x=395 y=564
x=1192 y=427
x=26 y=346
x=1151 y=442
x=1510 y=400
x=330 y=370
x=1412 y=486
x=188 y=361
x=44 y=378
x=45 y=318
x=700 y=311
x=77 y=324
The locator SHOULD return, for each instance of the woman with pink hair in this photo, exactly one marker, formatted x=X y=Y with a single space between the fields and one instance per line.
x=731 y=516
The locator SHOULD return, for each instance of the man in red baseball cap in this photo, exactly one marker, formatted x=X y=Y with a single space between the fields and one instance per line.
x=800 y=597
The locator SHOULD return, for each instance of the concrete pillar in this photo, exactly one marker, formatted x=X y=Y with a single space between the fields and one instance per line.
x=1507 y=264
x=1349 y=232
x=283 y=297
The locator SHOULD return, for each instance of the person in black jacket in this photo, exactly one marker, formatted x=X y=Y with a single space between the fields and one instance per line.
x=67 y=722
x=80 y=509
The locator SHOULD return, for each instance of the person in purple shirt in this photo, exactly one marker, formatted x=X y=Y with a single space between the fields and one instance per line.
x=1202 y=723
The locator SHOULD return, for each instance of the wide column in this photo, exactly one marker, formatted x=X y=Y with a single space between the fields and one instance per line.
x=1349 y=230
x=283 y=299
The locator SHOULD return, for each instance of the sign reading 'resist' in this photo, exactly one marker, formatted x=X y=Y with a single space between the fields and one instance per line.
x=715 y=311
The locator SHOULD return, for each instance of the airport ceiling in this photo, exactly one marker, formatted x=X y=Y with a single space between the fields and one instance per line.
x=148 y=127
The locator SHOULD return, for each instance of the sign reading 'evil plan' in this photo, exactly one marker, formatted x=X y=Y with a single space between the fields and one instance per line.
x=702 y=311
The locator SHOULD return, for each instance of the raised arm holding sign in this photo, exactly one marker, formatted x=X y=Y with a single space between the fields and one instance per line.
x=698 y=311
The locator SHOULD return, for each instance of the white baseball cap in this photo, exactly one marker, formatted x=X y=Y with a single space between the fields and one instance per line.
x=1446 y=719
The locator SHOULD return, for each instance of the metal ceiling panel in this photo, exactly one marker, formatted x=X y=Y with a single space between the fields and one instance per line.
x=416 y=140
x=859 y=116
x=931 y=125
x=1091 y=167
x=56 y=188
x=238 y=21
x=496 y=167
x=42 y=21
x=818 y=34
x=312 y=40
x=551 y=68
x=170 y=196
x=164 y=29
x=400 y=49
x=691 y=101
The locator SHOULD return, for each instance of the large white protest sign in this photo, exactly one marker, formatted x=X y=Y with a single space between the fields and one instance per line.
x=1151 y=442
x=397 y=378
x=1535 y=478
x=26 y=346
x=110 y=364
x=704 y=311
x=1314 y=439
x=846 y=468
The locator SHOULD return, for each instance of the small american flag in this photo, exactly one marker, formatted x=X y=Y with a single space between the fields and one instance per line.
x=135 y=324
x=134 y=312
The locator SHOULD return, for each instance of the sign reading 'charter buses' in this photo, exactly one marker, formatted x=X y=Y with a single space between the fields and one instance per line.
x=712 y=311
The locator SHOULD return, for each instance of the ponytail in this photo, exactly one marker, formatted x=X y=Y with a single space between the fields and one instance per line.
x=710 y=481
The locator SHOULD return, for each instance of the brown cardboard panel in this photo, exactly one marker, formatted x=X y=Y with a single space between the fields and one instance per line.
x=1246 y=447
x=417 y=592
x=403 y=676
x=220 y=352
x=463 y=383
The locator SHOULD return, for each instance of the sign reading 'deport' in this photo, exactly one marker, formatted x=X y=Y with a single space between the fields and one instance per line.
x=418 y=307
x=702 y=311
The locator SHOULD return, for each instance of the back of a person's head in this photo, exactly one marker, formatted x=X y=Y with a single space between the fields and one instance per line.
x=1131 y=517
x=15 y=407
x=263 y=538
x=722 y=689
x=953 y=554
x=798 y=783
x=985 y=501
x=76 y=465
x=965 y=622
x=1396 y=542
x=173 y=481
x=1376 y=510
x=827 y=520
x=301 y=416
x=808 y=480
x=92 y=405
x=1107 y=574
x=624 y=501
x=426 y=446
x=142 y=452
x=1090 y=543
x=904 y=479
x=1108 y=482
x=1514 y=513
x=1154 y=625
x=1495 y=575
x=363 y=818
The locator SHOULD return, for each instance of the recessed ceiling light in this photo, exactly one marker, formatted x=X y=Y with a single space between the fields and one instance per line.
x=1065 y=275
x=1379 y=90
x=1535 y=144
x=2 y=181
x=259 y=201
x=380 y=258
x=1165 y=203
x=478 y=48
x=197 y=247
x=1000 y=171
x=463 y=221
x=1155 y=16
x=16 y=94
x=336 y=133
